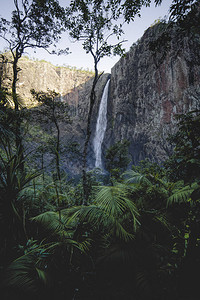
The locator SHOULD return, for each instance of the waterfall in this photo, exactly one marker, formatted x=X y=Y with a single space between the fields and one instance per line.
x=101 y=127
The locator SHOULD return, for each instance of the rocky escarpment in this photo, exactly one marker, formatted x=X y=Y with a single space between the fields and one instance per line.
x=43 y=76
x=158 y=78
x=152 y=83
x=76 y=131
x=71 y=133
x=74 y=87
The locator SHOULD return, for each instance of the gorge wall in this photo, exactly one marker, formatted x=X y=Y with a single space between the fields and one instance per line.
x=153 y=82
x=43 y=76
x=158 y=78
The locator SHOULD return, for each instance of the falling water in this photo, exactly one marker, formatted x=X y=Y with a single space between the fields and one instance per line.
x=101 y=127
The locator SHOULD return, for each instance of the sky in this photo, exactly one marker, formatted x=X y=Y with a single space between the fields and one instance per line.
x=78 y=58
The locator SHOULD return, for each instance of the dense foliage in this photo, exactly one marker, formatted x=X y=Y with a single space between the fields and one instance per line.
x=138 y=237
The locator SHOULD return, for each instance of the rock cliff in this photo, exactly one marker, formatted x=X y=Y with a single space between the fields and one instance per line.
x=158 y=78
x=42 y=75
x=152 y=83
x=74 y=87
x=72 y=132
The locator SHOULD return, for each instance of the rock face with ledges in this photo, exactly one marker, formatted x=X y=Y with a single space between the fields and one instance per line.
x=42 y=75
x=158 y=78
x=148 y=87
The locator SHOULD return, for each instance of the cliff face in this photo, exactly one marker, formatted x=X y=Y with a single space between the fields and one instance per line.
x=74 y=87
x=41 y=76
x=148 y=87
x=70 y=132
x=158 y=78
x=76 y=131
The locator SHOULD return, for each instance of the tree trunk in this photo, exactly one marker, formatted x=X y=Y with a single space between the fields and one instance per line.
x=57 y=145
x=88 y=134
x=14 y=82
x=18 y=138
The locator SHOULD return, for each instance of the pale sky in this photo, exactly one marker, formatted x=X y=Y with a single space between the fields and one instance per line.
x=78 y=58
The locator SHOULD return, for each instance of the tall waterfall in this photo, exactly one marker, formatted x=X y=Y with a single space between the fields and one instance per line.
x=101 y=127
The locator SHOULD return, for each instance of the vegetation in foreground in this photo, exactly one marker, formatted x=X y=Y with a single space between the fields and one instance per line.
x=137 y=237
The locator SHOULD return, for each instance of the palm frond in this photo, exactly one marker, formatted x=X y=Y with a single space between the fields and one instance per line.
x=162 y=219
x=114 y=201
x=41 y=275
x=111 y=211
x=92 y=214
x=182 y=195
x=135 y=177
x=24 y=274
x=84 y=245
x=122 y=233
x=52 y=222
x=143 y=281
x=101 y=219
x=57 y=225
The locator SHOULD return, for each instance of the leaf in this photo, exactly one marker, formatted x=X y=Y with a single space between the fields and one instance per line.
x=182 y=195
x=42 y=275
x=112 y=211
x=22 y=274
x=135 y=177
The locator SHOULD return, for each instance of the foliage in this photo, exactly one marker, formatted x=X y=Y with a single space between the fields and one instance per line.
x=13 y=208
x=53 y=108
x=141 y=231
x=184 y=163
x=91 y=24
x=180 y=9
x=117 y=158
x=149 y=168
x=29 y=269
x=39 y=25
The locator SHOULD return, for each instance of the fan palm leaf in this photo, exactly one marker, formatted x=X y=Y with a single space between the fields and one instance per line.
x=135 y=177
x=57 y=226
x=53 y=223
x=182 y=195
x=111 y=211
x=29 y=272
x=25 y=274
x=162 y=219
x=114 y=201
x=93 y=215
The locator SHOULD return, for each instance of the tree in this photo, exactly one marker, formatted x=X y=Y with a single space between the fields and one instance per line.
x=184 y=164
x=34 y=24
x=92 y=23
x=117 y=158
x=180 y=9
x=53 y=107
